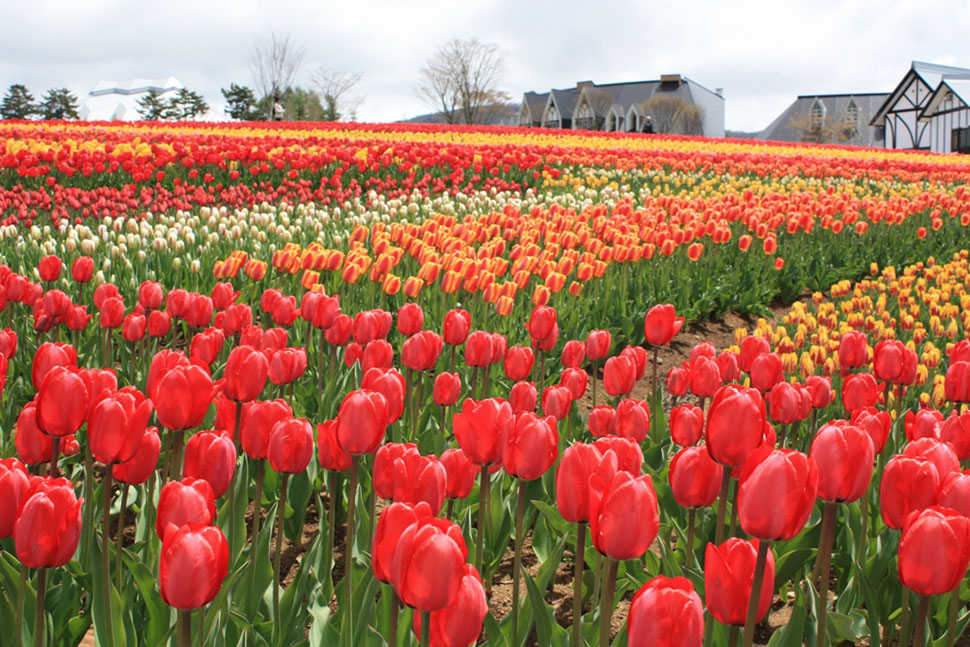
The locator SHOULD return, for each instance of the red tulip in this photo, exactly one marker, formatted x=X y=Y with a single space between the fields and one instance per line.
x=661 y=324
x=955 y=492
x=390 y=383
x=601 y=419
x=678 y=380
x=907 y=484
x=844 y=455
x=460 y=472
x=766 y=371
x=361 y=421
x=459 y=623
x=285 y=311
x=955 y=430
x=49 y=355
x=182 y=397
x=447 y=387
x=541 y=323
x=934 y=550
x=456 y=326
x=853 y=350
x=556 y=401
x=428 y=564
x=117 y=425
x=573 y=354
x=859 y=391
x=329 y=453
x=575 y=380
x=8 y=343
x=394 y=519
x=478 y=349
x=925 y=423
x=190 y=500
x=686 y=424
x=876 y=423
x=960 y=351
x=940 y=454
x=223 y=295
x=211 y=455
x=666 y=612
x=159 y=323
x=352 y=354
x=576 y=468
x=33 y=445
x=287 y=365
x=598 y=344
x=420 y=351
x=339 y=333
x=207 y=345
x=956 y=385
x=419 y=478
x=730 y=365
x=531 y=446
x=547 y=344
x=50 y=268
x=632 y=420
x=137 y=469
x=481 y=429
x=735 y=424
x=290 y=446
x=619 y=376
x=705 y=376
x=410 y=319
x=784 y=475
x=192 y=566
x=48 y=525
x=384 y=472
x=624 y=518
x=629 y=456
x=245 y=374
x=518 y=362
x=695 y=479
x=751 y=348
x=150 y=295
x=14 y=486
x=258 y=419
x=523 y=397
x=324 y=311
x=377 y=354
x=729 y=577
x=82 y=269
x=784 y=403
x=367 y=327
x=62 y=401
x=893 y=362
x=639 y=357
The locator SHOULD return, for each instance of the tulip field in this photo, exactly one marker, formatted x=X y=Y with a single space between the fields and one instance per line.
x=348 y=384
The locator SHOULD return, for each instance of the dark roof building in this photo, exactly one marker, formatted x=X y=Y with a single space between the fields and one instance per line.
x=829 y=118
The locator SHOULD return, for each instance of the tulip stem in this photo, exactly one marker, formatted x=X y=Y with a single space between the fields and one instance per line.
x=392 y=619
x=120 y=534
x=425 y=629
x=450 y=509
x=52 y=471
x=40 y=623
x=920 y=629
x=106 y=555
x=951 y=619
x=483 y=485
x=517 y=561
x=734 y=509
x=905 y=618
x=733 y=636
x=87 y=524
x=653 y=377
x=606 y=608
x=597 y=581
x=257 y=513
x=825 y=557
x=759 y=576
x=722 y=507
x=19 y=620
x=277 y=555
x=689 y=553
x=578 y=584
x=595 y=371
x=184 y=628
x=863 y=539
x=349 y=550
x=331 y=518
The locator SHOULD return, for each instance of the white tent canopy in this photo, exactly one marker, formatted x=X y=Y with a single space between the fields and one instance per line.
x=118 y=100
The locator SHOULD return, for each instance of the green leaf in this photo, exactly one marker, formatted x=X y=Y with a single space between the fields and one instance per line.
x=548 y=630
x=791 y=634
x=845 y=627
x=158 y=614
x=791 y=563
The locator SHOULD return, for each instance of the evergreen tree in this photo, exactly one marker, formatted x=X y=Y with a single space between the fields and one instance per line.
x=186 y=104
x=59 y=103
x=151 y=107
x=240 y=103
x=18 y=103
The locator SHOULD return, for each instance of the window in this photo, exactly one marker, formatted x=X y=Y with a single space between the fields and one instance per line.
x=852 y=116
x=960 y=140
x=551 y=118
x=524 y=118
x=816 y=115
x=585 y=117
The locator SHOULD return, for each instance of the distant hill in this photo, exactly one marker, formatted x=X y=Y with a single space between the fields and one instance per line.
x=740 y=134
x=500 y=115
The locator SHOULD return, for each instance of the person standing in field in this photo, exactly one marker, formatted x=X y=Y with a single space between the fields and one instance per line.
x=277 y=111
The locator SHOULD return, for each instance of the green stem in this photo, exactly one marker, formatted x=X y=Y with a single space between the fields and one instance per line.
x=331 y=517
x=906 y=618
x=734 y=510
x=597 y=581
x=517 y=561
x=184 y=628
x=19 y=621
x=425 y=629
x=578 y=584
x=606 y=608
x=722 y=507
x=483 y=485
x=392 y=619
x=951 y=619
x=106 y=557
x=653 y=377
x=825 y=554
x=450 y=509
x=349 y=549
x=689 y=553
x=87 y=526
x=759 y=576
x=120 y=534
x=920 y=630
x=257 y=513
x=863 y=543
x=55 y=452
x=40 y=623
x=277 y=555
x=733 y=636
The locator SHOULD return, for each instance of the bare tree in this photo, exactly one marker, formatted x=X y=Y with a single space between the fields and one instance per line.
x=822 y=131
x=274 y=61
x=334 y=87
x=674 y=115
x=461 y=79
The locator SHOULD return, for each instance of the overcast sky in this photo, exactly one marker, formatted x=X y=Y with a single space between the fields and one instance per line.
x=762 y=52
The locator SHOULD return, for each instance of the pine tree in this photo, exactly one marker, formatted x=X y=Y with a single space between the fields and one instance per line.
x=151 y=107
x=59 y=103
x=240 y=102
x=186 y=104
x=18 y=103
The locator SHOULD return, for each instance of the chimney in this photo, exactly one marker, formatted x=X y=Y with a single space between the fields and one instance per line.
x=719 y=92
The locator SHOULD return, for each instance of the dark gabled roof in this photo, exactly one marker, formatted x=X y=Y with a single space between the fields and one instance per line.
x=834 y=104
x=929 y=73
x=565 y=101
